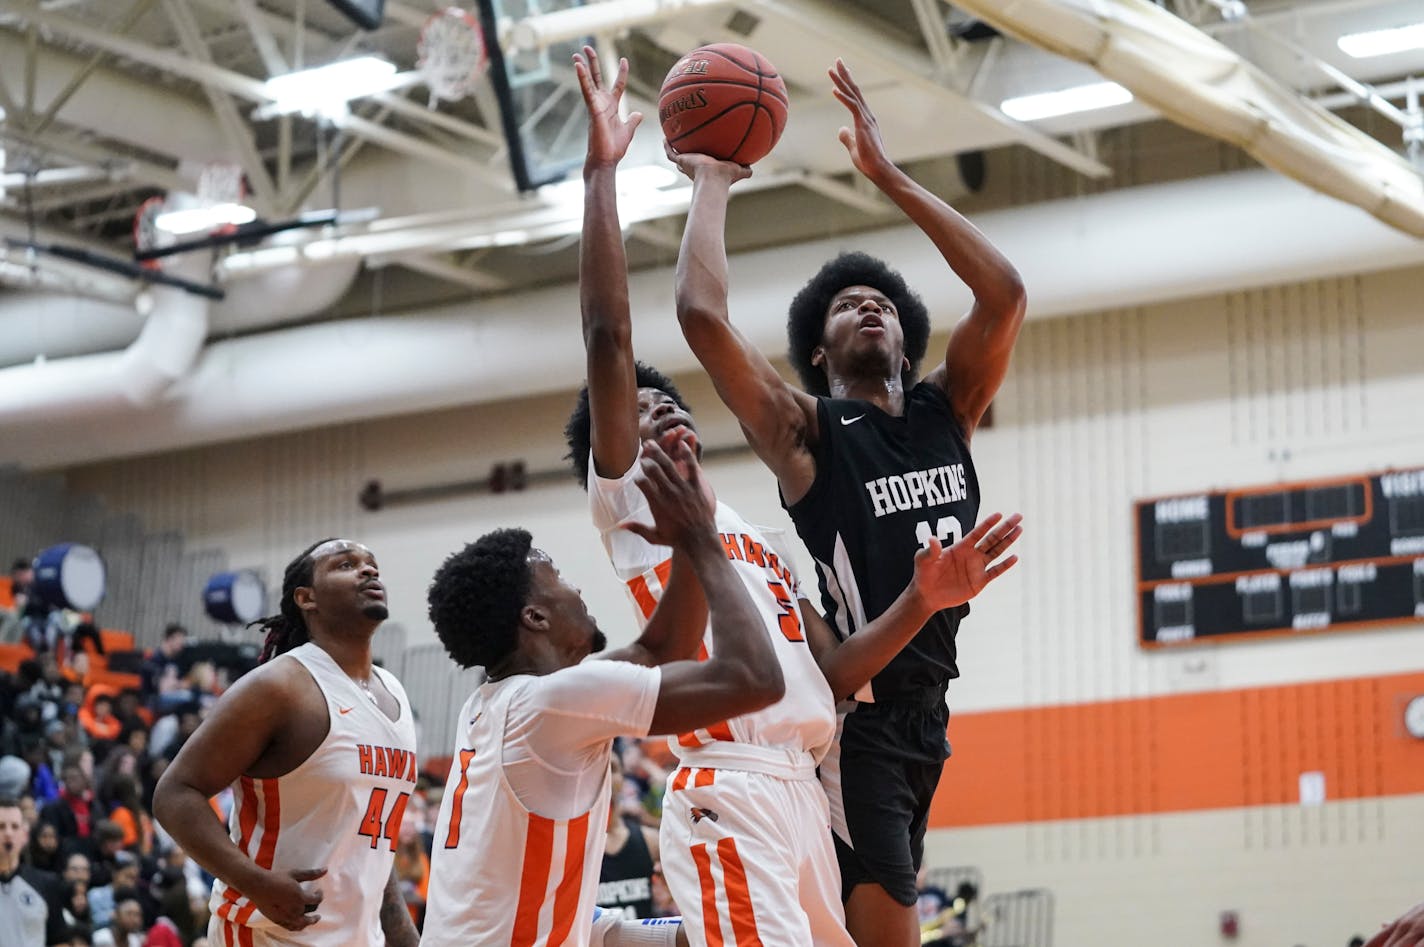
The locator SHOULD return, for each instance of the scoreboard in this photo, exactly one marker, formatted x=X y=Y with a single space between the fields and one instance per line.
x=1281 y=559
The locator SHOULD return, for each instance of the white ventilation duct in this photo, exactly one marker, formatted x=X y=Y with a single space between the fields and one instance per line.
x=1201 y=84
x=1122 y=248
x=96 y=387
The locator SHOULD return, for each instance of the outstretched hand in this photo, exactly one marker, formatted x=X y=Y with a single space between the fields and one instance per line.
x=862 y=139
x=693 y=164
x=681 y=508
x=609 y=134
x=945 y=578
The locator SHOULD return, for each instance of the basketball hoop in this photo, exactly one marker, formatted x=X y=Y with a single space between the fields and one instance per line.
x=451 y=54
x=146 y=235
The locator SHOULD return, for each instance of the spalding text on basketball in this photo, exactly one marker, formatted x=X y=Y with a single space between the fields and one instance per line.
x=696 y=99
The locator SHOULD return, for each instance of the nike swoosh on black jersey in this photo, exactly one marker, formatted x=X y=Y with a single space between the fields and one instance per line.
x=849 y=421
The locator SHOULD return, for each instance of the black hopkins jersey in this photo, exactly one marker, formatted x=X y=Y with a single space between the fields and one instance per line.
x=883 y=486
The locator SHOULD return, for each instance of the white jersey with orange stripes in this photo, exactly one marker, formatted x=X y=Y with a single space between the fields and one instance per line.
x=797 y=730
x=522 y=825
x=745 y=839
x=341 y=809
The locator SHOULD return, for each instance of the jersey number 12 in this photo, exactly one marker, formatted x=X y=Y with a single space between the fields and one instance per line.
x=947 y=531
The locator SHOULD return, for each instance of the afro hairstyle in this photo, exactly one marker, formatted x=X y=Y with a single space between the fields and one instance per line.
x=477 y=595
x=806 y=320
x=578 y=432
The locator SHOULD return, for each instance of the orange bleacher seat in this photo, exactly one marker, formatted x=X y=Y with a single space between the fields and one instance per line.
x=12 y=654
x=115 y=640
x=115 y=679
x=7 y=593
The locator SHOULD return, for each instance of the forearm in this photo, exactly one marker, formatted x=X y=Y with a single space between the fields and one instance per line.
x=851 y=664
x=185 y=814
x=702 y=263
x=603 y=266
x=395 y=918
x=990 y=276
x=738 y=635
x=678 y=624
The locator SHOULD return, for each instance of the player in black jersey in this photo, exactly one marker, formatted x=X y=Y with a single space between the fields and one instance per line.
x=872 y=467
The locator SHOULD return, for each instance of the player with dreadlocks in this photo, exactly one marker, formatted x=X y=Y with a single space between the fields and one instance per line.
x=319 y=746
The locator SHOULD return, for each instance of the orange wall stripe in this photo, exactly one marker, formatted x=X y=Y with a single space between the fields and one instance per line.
x=1181 y=753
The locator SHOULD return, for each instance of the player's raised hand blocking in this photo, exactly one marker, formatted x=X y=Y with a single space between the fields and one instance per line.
x=683 y=511
x=947 y=577
x=609 y=134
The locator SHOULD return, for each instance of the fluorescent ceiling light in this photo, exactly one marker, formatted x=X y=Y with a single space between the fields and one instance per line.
x=1382 y=42
x=197 y=219
x=328 y=88
x=1083 y=98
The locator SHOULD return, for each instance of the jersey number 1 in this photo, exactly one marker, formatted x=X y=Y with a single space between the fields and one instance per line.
x=371 y=822
x=947 y=531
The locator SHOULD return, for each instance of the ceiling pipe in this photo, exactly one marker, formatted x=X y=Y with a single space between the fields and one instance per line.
x=1079 y=255
x=1203 y=85
x=548 y=29
x=96 y=387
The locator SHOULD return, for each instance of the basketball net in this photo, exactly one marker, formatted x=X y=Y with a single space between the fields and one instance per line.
x=219 y=182
x=451 y=54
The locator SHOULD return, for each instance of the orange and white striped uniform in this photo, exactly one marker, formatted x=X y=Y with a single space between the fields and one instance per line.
x=340 y=809
x=745 y=840
x=522 y=825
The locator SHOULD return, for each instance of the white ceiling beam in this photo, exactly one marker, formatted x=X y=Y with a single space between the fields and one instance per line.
x=139 y=171
x=442 y=268
x=237 y=131
x=909 y=65
x=82 y=75
x=272 y=59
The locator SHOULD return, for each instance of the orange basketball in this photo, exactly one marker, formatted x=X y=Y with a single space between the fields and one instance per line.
x=723 y=100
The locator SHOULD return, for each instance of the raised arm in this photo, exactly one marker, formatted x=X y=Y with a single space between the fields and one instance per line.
x=943 y=578
x=603 y=273
x=238 y=733
x=980 y=345
x=778 y=419
x=742 y=674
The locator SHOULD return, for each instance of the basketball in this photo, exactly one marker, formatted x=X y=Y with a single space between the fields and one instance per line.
x=723 y=100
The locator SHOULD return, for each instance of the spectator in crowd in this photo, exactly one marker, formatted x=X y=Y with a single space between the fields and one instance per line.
x=85 y=631
x=103 y=850
x=129 y=813
x=14 y=776
x=175 y=925
x=104 y=899
x=43 y=851
x=31 y=905
x=97 y=715
x=43 y=786
x=162 y=669
x=76 y=868
x=22 y=576
x=413 y=859
x=75 y=811
x=125 y=927
x=75 y=908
